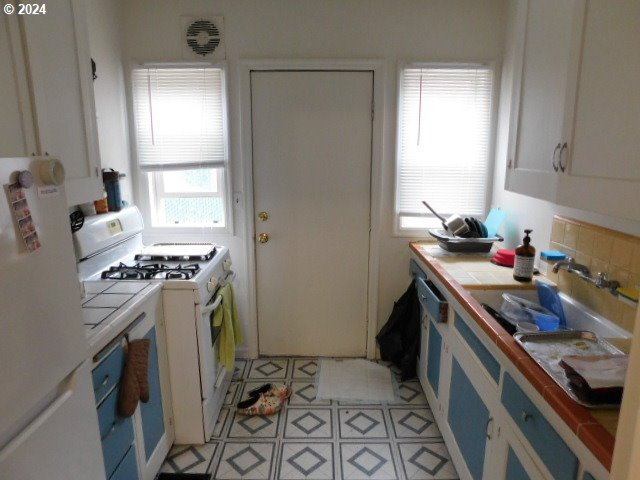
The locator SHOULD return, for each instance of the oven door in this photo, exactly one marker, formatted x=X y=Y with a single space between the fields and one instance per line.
x=207 y=351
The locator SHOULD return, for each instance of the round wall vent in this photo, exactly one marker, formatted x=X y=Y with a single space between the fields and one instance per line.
x=203 y=37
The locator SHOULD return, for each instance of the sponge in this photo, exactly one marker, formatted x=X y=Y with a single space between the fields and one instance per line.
x=552 y=255
x=629 y=293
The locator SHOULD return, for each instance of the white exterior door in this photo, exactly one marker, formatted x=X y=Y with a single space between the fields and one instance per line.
x=311 y=175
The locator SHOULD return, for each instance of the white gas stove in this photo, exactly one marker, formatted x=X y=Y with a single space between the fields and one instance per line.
x=109 y=248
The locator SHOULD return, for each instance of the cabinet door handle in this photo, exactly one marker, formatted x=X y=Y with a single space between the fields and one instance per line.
x=526 y=416
x=103 y=383
x=489 y=421
x=553 y=158
x=563 y=166
x=113 y=427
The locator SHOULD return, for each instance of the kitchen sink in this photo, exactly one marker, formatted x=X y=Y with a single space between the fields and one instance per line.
x=579 y=316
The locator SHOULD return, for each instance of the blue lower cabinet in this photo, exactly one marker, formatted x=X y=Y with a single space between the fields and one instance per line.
x=128 y=468
x=490 y=363
x=116 y=432
x=548 y=445
x=468 y=419
x=433 y=357
x=515 y=470
x=151 y=412
x=588 y=476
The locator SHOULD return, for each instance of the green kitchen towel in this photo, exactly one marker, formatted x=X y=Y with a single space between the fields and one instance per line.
x=231 y=332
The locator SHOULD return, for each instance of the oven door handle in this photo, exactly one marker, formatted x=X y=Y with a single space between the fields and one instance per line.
x=212 y=306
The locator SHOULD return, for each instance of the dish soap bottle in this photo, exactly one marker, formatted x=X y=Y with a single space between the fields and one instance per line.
x=525 y=256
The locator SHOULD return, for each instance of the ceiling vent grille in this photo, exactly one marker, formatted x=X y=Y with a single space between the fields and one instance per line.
x=203 y=38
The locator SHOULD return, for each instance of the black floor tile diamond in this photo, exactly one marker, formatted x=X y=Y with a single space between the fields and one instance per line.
x=367 y=471
x=244 y=423
x=258 y=460
x=373 y=423
x=408 y=393
x=197 y=459
x=298 y=422
x=306 y=451
x=309 y=368
x=404 y=421
x=414 y=460
x=301 y=393
x=266 y=371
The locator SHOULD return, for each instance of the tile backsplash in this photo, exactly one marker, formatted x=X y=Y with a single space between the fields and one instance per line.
x=602 y=250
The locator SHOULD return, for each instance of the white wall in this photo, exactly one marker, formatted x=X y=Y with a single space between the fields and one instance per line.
x=418 y=30
x=526 y=212
x=105 y=22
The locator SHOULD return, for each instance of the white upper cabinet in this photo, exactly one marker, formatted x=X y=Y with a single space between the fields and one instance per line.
x=574 y=126
x=61 y=81
x=543 y=38
x=602 y=168
x=17 y=134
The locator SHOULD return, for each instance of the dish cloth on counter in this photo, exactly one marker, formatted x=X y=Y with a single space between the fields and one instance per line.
x=134 y=386
x=226 y=317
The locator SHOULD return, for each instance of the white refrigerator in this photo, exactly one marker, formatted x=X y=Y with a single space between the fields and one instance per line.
x=48 y=421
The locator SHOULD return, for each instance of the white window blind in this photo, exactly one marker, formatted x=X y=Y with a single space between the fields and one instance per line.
x=443 y=141
x=179 y=116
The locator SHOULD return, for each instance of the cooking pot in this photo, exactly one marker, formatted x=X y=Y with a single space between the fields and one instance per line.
x=455 y=224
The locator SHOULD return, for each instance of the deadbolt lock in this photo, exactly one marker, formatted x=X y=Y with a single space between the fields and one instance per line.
x=263 y=237
x=264 y=216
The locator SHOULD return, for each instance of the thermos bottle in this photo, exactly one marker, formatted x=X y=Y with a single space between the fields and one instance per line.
x=111 y=180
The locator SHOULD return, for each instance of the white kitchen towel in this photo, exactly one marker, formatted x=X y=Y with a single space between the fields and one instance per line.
x=354 y=380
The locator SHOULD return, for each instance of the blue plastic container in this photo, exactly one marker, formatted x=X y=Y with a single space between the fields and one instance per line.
x=547 y=323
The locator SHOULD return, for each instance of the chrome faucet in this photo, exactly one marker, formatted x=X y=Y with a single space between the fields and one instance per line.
x=571 y=266
x=600 y=280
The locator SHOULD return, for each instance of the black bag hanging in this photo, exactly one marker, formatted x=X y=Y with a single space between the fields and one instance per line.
x=399 y=338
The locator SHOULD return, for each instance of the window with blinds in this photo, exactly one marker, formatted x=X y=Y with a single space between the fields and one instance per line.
x=181 y=142
x=179 y=117
x=444 y=127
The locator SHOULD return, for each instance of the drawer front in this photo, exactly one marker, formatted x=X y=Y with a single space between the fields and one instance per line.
x=128 y=468
x=433 y=357
x=107 y=374
x=515 y=470
x=432 y=301
x=556 y=455
x=415 y=270
x=490 y=363
x=116 y=432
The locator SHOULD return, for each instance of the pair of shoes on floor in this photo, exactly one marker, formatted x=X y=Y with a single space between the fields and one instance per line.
x=264 y=400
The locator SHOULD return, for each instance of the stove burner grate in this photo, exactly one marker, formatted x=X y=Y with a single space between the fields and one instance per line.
x=150 y=271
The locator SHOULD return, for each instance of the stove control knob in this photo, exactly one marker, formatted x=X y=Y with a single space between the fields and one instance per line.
x=212 y=284
x=226 y=265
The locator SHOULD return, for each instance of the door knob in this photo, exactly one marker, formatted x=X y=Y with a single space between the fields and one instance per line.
x=263 y=237
x=264 y=216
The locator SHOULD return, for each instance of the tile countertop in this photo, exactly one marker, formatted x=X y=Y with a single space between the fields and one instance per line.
x=474 y=270
x=109 y=306
x=459 y=273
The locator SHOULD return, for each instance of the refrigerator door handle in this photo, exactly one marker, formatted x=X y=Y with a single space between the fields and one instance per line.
x=41 y=418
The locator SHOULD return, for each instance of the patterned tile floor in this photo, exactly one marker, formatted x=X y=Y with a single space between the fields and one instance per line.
x=314 y=439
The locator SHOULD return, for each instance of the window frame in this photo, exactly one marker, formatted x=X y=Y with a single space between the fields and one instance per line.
x=406 y=232
x=146 y=192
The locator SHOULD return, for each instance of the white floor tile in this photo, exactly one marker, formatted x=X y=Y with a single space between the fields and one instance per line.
x=308 y=423
x=363 y=461
x=246 y=461
x=300 y=461
x=422 y=461
x=362 y=423
x=414 y=423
